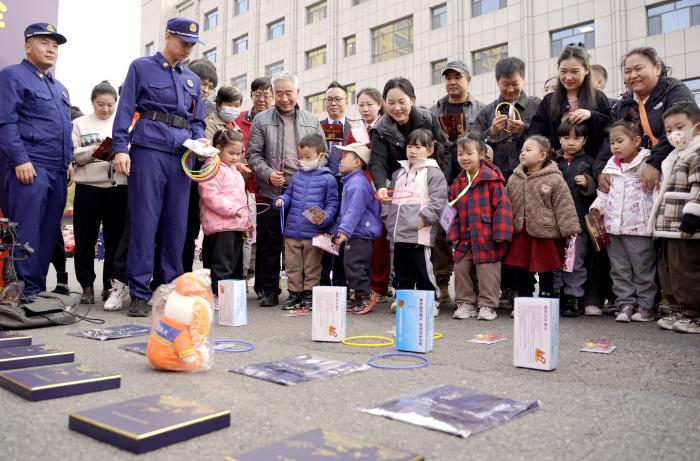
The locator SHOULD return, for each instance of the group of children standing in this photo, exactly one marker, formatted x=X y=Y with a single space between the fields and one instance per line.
x=525 y=223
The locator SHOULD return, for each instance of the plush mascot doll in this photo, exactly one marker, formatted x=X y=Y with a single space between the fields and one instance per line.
x=178 y=341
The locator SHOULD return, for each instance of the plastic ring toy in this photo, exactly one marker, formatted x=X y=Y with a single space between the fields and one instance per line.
x=280 y=163
x=203 y=175
x=437 y=335
x=514 y=108
x=396 y=198
x=232 y=341
x=427 y=362
x=345 y=341
x=254 y=214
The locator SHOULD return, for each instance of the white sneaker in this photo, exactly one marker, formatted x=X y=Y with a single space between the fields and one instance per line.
x=464 y=311
x=393 y=307
x=592 y=310
x=380 y=298
x=118 y=295
x=486 y=313
x=436 y=309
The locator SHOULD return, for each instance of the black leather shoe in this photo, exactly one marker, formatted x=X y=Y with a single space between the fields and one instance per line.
x=270 y=299
x=138 y=308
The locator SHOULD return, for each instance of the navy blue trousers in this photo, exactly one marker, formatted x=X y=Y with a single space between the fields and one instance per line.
x=37 y=209
x=159 y=194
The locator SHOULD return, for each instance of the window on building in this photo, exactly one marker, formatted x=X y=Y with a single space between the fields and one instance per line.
x=276 y=29
x=240 y=44
x=480 y=7
x=485 y=60
x=240 y=82
x=210 y=19
x=211 y=55
x=315 y=58
x=438 y=17
x=241 y=6
x=272 y=69
x=358 y=2
x=694 y=86
x=316 y=103
x=580 y=34
x=393 y=40
x=149 y=49
x=436 y=69
x=673 y=16
x=352 y=90
x=316 y=12
x=350 y=47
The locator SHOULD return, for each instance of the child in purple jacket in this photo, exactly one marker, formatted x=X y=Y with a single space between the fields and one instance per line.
x=359 y=225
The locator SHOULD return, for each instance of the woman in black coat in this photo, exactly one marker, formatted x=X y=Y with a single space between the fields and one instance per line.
x=575 y=98
x=647 y=78
x=389 y=135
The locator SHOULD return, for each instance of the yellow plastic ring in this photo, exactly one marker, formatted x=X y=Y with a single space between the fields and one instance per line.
x=345 y=341
x=514 y=108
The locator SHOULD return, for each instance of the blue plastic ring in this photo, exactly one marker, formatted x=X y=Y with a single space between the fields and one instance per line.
x=399 y=368
x=232 y=341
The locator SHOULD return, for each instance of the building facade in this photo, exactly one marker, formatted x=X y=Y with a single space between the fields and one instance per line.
x=364 y=43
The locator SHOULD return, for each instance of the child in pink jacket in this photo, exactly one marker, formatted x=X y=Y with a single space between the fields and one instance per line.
x=220 y=202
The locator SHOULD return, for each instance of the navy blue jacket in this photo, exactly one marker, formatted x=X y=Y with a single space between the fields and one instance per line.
x=35 y=121
x=581 y=164
x=307 y=190
x=360 y=212
x=668 y=92
x=153 y=84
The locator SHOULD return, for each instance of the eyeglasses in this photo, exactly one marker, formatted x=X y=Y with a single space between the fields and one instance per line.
x=210 y=88
x=335 y=100
x=261 y=96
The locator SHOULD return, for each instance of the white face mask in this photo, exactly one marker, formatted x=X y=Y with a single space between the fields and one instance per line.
x=681 y=139
x=309 y=165
x=229 y=114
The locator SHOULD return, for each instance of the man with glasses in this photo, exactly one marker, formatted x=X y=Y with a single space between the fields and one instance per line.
x=336 y=104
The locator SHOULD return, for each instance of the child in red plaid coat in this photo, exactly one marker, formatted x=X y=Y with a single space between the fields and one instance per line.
x=481 y=229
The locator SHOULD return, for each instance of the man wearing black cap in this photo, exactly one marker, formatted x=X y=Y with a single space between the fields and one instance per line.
x=169 y=98
x=457 y=101
x=35 y=135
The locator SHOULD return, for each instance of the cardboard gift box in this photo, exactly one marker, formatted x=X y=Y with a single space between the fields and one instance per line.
x=328 y=314
x=414 y=320
x=61 y=381
x=233 y=304
x=149 y=423
x=320 y=443
x=536 y=335
x=14 y=338
x=33 y=356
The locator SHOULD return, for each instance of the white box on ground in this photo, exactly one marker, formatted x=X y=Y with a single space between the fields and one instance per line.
x=328 y=314
x=536 y=335
x=414 y=320
x=233 y=305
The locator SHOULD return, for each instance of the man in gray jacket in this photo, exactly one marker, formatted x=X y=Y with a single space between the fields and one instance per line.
x=273 y=138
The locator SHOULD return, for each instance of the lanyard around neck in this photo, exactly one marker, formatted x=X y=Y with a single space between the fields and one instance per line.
x=471 y=181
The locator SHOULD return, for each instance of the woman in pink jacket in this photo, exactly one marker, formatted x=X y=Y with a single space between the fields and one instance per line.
x=220 y=202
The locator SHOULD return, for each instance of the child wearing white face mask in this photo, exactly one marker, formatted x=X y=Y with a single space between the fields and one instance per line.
x=675 y=219
x=311 y=186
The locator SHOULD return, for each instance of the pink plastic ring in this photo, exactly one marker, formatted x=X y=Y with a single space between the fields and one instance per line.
x=254 y=214
x=286 y=159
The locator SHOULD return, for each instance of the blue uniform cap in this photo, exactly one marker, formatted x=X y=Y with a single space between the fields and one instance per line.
x=43 y=28
x=184 y=28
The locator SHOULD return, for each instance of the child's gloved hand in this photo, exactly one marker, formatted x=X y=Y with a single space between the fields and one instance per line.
x=279 y=203
x=342 y=238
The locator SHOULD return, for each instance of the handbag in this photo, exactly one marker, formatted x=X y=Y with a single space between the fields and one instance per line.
x=49 y=309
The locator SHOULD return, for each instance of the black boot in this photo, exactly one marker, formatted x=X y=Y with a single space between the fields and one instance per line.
x=295 y=300
x=270 y=299
x=570 y=306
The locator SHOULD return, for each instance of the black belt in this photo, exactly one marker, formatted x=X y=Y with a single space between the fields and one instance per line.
x=172 y=120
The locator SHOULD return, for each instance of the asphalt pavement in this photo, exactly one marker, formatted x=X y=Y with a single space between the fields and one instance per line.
x=640 y=402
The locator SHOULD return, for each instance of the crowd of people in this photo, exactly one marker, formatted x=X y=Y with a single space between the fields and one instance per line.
x=409 y=202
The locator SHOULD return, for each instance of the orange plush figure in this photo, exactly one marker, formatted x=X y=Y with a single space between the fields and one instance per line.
x=179 y=338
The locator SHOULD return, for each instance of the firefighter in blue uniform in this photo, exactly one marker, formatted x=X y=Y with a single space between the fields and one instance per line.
x=35 y=136
x=169 y=98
